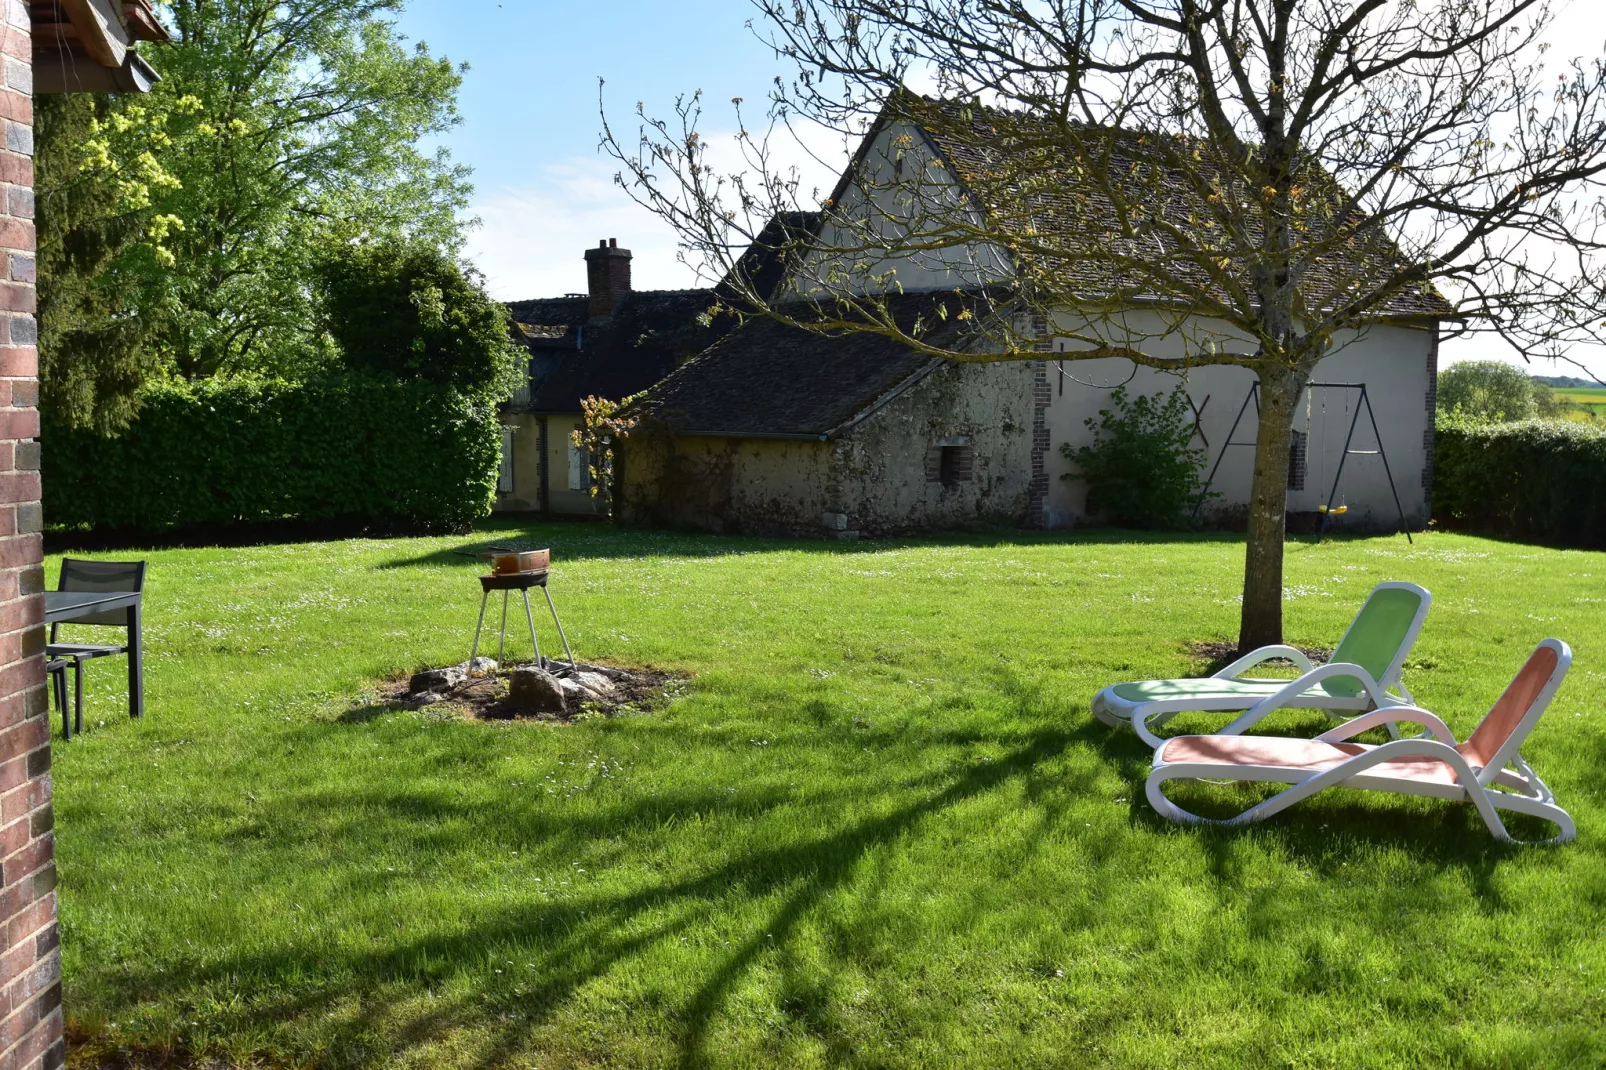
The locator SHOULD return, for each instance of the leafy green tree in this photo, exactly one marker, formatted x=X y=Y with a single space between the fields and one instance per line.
x=410 y=311
x=281 y=129
x=1488 y=390
x=94 y=354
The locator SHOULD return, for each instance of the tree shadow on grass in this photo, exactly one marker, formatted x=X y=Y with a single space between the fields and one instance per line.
x=1332 y=829
x=599 y=932
x=367 y=1006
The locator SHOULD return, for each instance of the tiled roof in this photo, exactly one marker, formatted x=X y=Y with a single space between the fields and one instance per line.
x=763 y=267
x=1022 y=173
x=769 y=379
x=650 y=333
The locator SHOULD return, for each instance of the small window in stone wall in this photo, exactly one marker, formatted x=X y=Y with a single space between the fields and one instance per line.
x=1297 y=454
x=950 y=465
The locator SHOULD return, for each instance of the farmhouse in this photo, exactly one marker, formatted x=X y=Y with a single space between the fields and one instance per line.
x=785 y=430
x=610 y=342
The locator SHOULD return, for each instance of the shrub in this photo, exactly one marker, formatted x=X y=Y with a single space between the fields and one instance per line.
x=1536 y=479
x=338 y=447
x=1487 y=389
x=1142 y=469
x=410 y=311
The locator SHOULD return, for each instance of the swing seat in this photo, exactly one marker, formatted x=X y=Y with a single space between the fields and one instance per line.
x=1364 y=675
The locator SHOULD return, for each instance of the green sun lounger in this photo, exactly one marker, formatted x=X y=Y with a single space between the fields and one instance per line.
x=1363 y=675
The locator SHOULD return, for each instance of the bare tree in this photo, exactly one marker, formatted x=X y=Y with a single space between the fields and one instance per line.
x=1258 y=176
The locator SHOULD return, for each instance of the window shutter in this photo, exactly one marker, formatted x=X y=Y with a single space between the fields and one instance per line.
x=579 y=465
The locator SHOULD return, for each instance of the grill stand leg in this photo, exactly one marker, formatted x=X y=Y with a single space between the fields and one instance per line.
x=530 y=619
x=475 y=652
x=559 y=623
x=501 y=640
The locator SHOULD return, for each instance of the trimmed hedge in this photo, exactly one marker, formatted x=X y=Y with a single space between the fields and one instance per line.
x=1536 y=479
x=341 y=447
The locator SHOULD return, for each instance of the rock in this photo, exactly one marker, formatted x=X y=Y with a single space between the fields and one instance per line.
x=535 y=691
x=576 y=694
x=480 y=666
x=429 y=698
x=595 y=682
x=436 y=680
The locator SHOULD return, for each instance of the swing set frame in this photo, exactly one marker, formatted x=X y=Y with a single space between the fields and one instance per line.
x=1349 y=438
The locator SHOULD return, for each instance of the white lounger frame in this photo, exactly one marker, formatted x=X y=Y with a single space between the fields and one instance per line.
x=1300 y=693
x=1527 y=794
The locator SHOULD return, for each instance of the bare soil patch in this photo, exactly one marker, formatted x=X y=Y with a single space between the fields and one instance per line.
x=1220 y=653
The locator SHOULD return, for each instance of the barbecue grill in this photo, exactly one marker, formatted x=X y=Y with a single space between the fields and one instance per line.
x=515 y=570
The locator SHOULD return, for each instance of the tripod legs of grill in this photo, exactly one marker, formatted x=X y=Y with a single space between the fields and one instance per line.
x=475 y=652
x=529 y=618
x=501 y=639
x=567 y=652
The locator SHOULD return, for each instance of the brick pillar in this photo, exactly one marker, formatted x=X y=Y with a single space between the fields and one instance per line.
x=1037 y=489
x=1429 y=439
x=30 y=963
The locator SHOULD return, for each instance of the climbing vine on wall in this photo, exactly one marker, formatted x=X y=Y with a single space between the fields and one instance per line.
x=606 y=423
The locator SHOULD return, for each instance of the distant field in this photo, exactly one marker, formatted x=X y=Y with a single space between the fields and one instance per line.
x=1584 y=401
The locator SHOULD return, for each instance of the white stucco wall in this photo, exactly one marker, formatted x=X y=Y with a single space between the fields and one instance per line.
x=1394 y=362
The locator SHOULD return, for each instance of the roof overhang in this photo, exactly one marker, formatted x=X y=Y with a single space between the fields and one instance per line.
x=87 y=46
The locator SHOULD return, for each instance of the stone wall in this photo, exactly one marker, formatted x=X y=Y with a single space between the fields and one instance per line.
x=754 y=486
x=891 y=466
x=30 y=962
x=954 y=451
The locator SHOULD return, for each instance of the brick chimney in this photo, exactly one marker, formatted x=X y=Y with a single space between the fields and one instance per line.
x=607 y=277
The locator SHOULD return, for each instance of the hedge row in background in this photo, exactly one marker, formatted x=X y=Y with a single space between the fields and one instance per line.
x=1536 y=479
x=342 y=447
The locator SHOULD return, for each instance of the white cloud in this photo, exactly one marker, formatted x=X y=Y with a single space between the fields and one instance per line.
x=532 y=238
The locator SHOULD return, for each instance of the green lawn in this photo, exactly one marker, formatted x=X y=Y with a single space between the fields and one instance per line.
x=881 y=829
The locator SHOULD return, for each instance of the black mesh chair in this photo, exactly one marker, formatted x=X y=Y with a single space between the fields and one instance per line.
x=89 y=576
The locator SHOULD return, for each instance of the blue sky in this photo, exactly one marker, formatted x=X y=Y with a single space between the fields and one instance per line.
x=531 y=123
x=543 y=191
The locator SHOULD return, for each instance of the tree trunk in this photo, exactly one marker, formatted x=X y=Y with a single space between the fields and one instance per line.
x=1262 y=621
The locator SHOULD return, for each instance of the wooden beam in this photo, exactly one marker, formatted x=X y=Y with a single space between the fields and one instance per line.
x=100 y=29
x=143 y=25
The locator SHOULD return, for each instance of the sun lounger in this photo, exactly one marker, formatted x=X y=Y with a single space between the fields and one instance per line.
x=1363 y=675
x=1486 y=770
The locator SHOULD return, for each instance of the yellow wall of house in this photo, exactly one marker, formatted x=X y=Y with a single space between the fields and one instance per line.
x=525 y=496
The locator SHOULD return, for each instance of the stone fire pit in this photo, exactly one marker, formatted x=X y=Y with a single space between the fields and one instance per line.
x=553 y=691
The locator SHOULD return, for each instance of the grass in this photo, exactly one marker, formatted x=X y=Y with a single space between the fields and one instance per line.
x=880 y=830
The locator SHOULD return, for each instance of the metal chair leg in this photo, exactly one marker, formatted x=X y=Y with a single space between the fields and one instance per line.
x=58 y=687
x=530 y=619
x=559 y=623
x=77 y=694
